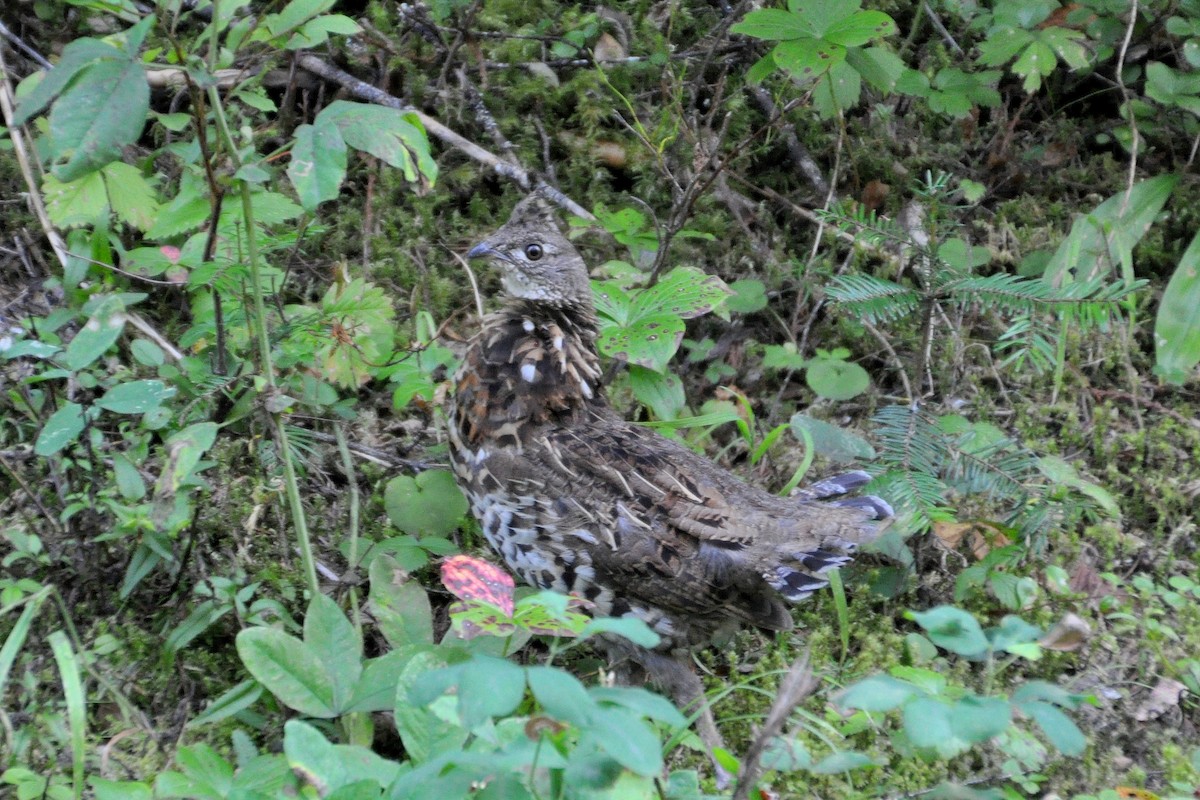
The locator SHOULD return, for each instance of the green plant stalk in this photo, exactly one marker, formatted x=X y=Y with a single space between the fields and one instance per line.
x=68 y=669
x=1060 y=360
x=339 y=431
x=291 y=484
x=802 y=470
x=843 y=610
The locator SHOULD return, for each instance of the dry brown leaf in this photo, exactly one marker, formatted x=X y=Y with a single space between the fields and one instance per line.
x=608 y=48
x=1163 y=697
x=981 y=537
x=1069 y=634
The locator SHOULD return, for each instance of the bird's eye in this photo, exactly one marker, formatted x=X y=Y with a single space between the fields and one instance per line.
x=533 y=251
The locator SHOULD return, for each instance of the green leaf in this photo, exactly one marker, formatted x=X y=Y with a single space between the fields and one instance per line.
x=629 y=740
x=1091 y=248
x=396 y=137
x=876 y=693
x=978 y=719
x=136 y=397
x=131 y=196
x=927 y=725
x=399 y=604
x=748 y=296
x=423 y=731
x=1058 y=727
x=786 y=755
x=836 y=444
x=289 y=669
x=642 y=702
x=80 y=202
x=631 y=628
x=429 y=504
x=1060 y=471
x=336 y=644
x=232 y=702
x=104 y=110
x=334 y=767
x=684 y=291
x=773 y=24
x=648 y=341
x=63 y=427
x=842 y=761
x=318 y=164
x=98 y=334
x=129 y=480
x=76 y=57
x=119 y=790
x=952 y=629
x=808 y=58
x=375 y=689
x=489 y=687
x=561 y=695
x=860 y=28
x=185 y=448
x=662 y=392
x=1177 y=325
x=836 y=380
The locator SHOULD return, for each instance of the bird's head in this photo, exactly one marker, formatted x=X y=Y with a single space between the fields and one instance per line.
x=536 y=261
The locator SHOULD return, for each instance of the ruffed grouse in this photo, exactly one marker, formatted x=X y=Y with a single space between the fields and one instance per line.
x=578 y=500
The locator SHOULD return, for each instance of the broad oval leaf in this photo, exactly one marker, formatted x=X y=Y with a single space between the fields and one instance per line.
x=953 y=629
x=836 y=444
x=836 y=380
x=104 y=109
x=1177 y=325
x=136 y=397
x=289 y=669
x=63 y=427
x=336 y=644
x=429 y=504
x=876 y=693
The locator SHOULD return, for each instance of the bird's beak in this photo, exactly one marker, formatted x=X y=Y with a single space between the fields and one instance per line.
x=480 y=250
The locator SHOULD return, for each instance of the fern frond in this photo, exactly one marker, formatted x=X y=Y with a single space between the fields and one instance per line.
x=865 y=225
x=875 y=299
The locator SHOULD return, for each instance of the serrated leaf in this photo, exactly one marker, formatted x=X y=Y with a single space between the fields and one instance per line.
x=396 y=137
x=76 y=56
x=79 y=202
x=808 y=58
x=130 y=195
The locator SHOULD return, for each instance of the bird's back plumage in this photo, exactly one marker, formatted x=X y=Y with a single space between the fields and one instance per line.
x=576 y=499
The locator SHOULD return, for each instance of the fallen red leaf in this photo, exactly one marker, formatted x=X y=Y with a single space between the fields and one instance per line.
x=475 y=579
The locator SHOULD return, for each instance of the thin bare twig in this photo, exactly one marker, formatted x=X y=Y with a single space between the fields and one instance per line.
x=798 y=684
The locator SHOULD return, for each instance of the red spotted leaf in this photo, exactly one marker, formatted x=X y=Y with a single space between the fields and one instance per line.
x=475 y=579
